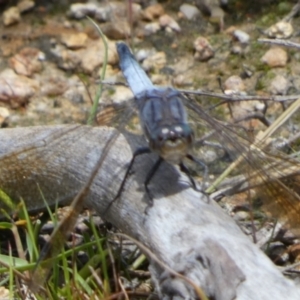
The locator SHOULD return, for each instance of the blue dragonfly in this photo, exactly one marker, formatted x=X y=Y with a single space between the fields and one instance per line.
x=163 y=120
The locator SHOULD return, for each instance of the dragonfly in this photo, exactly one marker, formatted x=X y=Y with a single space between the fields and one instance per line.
x=163 y=117
x=163 y=120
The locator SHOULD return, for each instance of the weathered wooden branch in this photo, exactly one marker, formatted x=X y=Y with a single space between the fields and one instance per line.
x=188 y=233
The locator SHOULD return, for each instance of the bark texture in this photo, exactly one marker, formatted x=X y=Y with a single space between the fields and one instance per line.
x=190 y=234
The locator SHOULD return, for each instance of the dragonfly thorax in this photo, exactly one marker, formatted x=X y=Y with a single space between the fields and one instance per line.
x=172 y=143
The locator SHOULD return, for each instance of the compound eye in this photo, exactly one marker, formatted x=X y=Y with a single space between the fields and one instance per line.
x=178 y=130
x=164 y=132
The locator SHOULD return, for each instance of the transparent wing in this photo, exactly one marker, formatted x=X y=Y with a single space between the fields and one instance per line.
x=256 y=164
x=118 y=115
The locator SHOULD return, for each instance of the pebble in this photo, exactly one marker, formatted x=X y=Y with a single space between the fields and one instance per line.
x=25 y=5
x=55 y=86
x=248 y=71
x=275 y=57
x=277 y=252
x=204 y=50
x=5 y=293
x=75 y=240
x=68 y=60
x=181 y=80
x=279 y=85
x=167 y=21
x=294 y=251
x=119 y=10
x=16 y=89
x=234 y=85
x=27 y=61
x=241 y=216
x=102 y=14
x=11 y=16
x=142 y=54
x=80 y=10
x=121 y=94
x=236 y=49
x=217 y=16
x=117 y=30
x=75 y=40
x=189 y=11
x=86 y=59
x=155 y=62
x=281 y=30
x=153 y=12
x=4 y=114
x=151 y=28
x=158 y=79
x=241 y=36
x=93 y=56
x=74 y=96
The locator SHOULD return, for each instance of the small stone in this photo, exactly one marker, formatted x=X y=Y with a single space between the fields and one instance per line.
x=294 y=251
x=122 y=93
x=155 y=62
x=179 y=80
x=16 y=89
x=279 y=85
x=236 y=49
x=153 y=12
x=209 y=155
x=142 y=54
x=67 y=59
x=241 y=36
x=167 y=21
x=189 y=11
x=217 y=16
x=4 y=114
x=86 y=59
x=75 y=240
x=93 y=56
x=102 y=14
x=204 y=50
x=281 y=30
x=27 y=61
x=4 y=293
x=81 y=226
x=234 y=85
x=25 y=5
x=54 y=86
x=117 y=30
x=248 y=71
x=275 y=57
x=151 y=28
x=11 y=16
x=75 y=40
x=119 y=10
x=277 y=252
x=80 y=10
x=158 y=79
x=241 y=216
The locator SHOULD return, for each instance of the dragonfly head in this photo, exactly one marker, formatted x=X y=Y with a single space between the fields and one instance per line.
x=172 y=143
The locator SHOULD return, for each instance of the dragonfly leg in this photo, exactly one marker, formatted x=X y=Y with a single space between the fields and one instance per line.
x=137 y=152
x=148 y=179
x=184 y=169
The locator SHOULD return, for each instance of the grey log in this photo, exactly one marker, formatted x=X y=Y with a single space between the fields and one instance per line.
x=185 y=231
